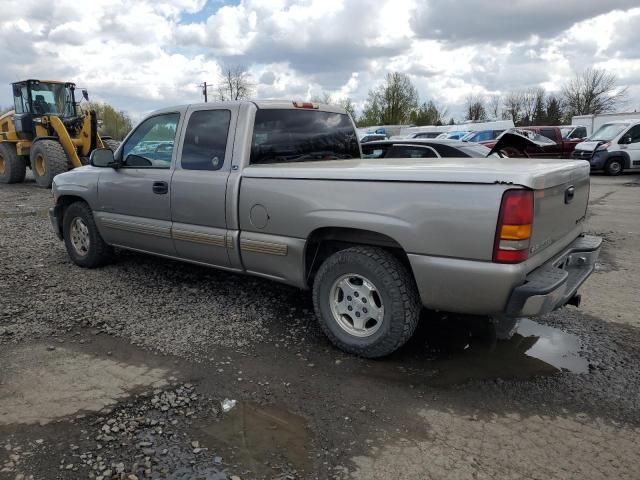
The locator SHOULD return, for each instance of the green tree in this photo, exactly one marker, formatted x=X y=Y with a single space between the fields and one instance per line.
x=539 y=110
x=349 y=106
x=114 y=123
x=554 y=110
x=475 y=109
x=429 y=113
x=392 y=102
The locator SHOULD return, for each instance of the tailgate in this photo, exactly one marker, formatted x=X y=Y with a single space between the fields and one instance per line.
x=558 y=209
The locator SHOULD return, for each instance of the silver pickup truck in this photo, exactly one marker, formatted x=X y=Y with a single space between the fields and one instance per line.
x=279 y=190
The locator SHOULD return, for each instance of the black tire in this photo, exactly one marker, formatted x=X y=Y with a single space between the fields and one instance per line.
x=614 y=167
x=111 y=144
x=48 y=159
x=98 y=252
x=13 y=167
x=398 y=294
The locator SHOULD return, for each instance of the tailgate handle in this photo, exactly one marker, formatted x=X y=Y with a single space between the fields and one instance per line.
x=569 y=193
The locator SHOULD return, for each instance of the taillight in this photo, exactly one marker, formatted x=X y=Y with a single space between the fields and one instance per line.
x=305 y=105
x=514 y=227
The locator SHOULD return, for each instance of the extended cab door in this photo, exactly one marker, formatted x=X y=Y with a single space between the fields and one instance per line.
x=199 y=184
x=551 y=151
x=134 y=200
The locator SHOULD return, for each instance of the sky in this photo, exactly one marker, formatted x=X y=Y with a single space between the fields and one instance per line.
x=147 y=54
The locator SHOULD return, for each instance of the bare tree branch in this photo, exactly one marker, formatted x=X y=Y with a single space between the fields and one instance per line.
x=235 y=84
x=593 y=91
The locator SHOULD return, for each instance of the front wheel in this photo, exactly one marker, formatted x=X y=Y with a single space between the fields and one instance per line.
x=614 y=167
x=366 y=301
x=82 y=239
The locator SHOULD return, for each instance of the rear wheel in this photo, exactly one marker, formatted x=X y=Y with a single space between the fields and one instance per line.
x=84 y=243
x=48 y=159
x=12 y=166
x=366 y=301
x=614 y=167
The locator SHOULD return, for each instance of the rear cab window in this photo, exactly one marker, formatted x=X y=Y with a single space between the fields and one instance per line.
x=300 y=135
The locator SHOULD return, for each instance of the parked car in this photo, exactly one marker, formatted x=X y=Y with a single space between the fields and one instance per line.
x=560 y=148
x=371 y=137
x=278 y=190
x=453 y=135
x=614 y=147
x=482 y=135
x=423 y=148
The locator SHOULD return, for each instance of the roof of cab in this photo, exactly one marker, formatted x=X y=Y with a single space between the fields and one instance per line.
x=260 y=104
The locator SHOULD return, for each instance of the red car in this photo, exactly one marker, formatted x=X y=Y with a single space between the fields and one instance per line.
x=561 y=149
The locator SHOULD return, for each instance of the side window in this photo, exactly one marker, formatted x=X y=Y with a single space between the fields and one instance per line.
x=496 y=134
x=578 y=133
x=205 y=141
x=483 y=136
x=151 y=144
x=550 y=133
x=634 y=132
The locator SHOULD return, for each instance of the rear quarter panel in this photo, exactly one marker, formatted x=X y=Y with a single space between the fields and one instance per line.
x=436 y=219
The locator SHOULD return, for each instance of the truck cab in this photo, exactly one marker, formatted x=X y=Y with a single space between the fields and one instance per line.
x=613 y=148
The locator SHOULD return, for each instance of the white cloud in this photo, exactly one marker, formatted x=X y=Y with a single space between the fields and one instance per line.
x=146 y=54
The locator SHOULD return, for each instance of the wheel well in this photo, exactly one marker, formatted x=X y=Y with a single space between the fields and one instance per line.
x=324 y=242
x=63 y=203
x=624 y=160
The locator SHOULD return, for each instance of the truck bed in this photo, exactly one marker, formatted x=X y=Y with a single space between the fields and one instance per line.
x=535 y=174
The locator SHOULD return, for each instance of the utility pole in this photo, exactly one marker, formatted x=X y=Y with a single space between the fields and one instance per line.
x=204 y=91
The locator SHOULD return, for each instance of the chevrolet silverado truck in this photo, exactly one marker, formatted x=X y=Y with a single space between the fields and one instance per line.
x=279 y=190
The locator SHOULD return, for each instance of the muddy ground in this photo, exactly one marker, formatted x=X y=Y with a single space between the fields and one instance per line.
x=123 y=372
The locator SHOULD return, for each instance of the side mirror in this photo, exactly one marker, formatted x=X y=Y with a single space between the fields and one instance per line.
x=102 y=157
x=85 y=94
x=625 y=140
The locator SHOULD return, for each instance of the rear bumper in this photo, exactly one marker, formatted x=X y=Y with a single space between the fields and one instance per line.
x=54 y=218
x=554 y=284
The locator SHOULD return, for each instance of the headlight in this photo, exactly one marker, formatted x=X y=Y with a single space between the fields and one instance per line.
x=602 y=147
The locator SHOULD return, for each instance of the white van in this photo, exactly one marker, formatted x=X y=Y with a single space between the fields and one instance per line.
x=594 y=122
x=614 y=147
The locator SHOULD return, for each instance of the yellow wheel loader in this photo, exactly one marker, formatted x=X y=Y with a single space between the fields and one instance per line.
x=47 y=131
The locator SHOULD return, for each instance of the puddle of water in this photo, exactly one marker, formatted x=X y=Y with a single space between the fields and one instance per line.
x=263 y=439
x=553 y=346
x=458 y=356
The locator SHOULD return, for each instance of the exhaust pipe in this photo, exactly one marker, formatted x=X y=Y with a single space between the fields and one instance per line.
x=575 y=300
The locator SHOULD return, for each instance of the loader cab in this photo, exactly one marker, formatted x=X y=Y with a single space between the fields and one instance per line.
x=34 y=99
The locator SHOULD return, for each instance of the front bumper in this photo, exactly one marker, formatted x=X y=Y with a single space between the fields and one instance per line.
x=54 y=218
x=554 y=284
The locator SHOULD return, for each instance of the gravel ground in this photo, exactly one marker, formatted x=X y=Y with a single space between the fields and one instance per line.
x=452 y=404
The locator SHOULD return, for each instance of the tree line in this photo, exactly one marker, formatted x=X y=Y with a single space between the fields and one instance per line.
x=593 y=91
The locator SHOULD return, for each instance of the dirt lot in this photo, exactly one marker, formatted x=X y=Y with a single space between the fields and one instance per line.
x=122 y=372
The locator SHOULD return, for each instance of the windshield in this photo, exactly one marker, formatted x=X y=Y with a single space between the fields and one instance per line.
x=608 y=131
x=565 y=131
x=52 y=99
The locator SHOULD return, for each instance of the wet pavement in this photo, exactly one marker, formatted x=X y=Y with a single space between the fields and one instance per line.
x=560 y=399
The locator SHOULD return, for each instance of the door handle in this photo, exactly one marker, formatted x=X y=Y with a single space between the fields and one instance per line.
x=160 y=188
